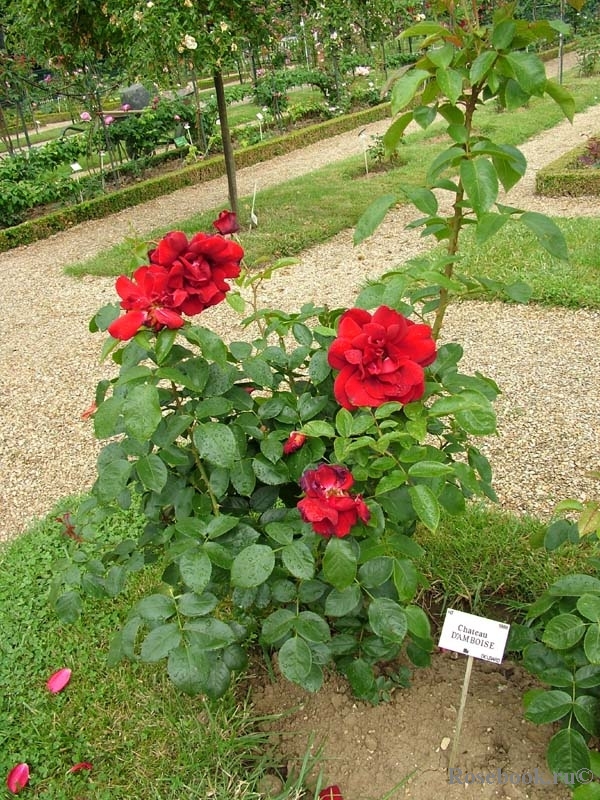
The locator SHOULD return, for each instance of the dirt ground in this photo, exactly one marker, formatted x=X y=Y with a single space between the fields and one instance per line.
x=406 y=743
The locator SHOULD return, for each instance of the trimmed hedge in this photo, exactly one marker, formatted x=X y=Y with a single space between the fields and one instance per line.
x=42 y=227
x=565 y=176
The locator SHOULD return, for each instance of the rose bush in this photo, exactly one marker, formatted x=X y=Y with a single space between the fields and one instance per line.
x=282 y=476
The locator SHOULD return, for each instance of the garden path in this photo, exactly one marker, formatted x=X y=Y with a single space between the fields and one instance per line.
x=546 y=361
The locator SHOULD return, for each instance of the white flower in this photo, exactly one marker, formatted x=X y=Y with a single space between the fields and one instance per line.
x=189 y=42
x=138 y=16
x=362 y=71
x=234 y=47
x=188 y=3
x=224 y=27
x=149 y=4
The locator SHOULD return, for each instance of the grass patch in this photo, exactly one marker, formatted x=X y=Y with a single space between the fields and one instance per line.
x=514 y=254
x=143 y=738
x=483 y=563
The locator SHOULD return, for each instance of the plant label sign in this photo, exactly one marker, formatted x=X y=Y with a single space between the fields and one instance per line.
x=474 y=636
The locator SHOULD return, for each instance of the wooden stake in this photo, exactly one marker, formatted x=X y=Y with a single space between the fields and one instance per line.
x=461 y=711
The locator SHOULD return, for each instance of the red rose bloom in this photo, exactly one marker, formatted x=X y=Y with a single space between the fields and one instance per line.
x=380 y=358
x=147 y=302
x=197 y=270
x=294 y=442
x=226 y=223
x=328 y=506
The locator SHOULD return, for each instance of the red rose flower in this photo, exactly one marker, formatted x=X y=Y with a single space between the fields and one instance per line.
x=198 y=269
x=328 y=506
x=226 y=223
x=147 y=302
x=294 y=442
x=380 y=358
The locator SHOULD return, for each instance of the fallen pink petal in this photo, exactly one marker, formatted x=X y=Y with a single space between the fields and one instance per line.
x=81 y=765
x=58 y=680
x=18 y=778
x=331 y=793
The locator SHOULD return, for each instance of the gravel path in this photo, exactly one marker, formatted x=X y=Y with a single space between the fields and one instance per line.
x=545 y=361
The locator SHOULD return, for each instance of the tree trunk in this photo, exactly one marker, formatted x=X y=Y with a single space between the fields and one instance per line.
x=227 y=146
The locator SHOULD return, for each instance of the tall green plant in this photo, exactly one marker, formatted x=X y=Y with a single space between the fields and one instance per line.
x=464 y=65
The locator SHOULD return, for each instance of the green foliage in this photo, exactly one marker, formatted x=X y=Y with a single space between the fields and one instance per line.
x=574 y=174
x=560 y=645
x=198 y=430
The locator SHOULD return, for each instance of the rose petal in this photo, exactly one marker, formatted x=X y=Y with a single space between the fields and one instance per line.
x=81 y=765
x=331 y=793
x=58 y=680
x=18 y=778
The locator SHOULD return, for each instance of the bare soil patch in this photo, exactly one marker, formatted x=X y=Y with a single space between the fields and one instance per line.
x=369 y=750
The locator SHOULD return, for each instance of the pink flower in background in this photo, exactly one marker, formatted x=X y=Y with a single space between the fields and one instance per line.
x=17 y=778
x=108 y=119
x=125 y=107
x=85 y=116
x=58 y=680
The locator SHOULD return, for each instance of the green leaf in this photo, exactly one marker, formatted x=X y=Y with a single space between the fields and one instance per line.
x=373 y=216
x=519 y=292
x=107 y=417
x=258 y=371
x=242 y=477
x=160 y=641
x=406 y=88
x=152 y=472
x=312 y=627
x=318 y=427
x=477 y=421
x=588 y=606
x=195 y=567
x=450 y=82
x=426 y=505
x=418 y=622
x=164 y=344
x=339 y=563
x=562 y=98
x=361 y=679
x=211 y=633
x=393 y=135
x=376 y=571
x=271 y=474
x=587 y=677
x=189 y=667
x=503 y=34
x=567 y=752
x=342 y=602
x=528 y=70
x=155 y=607
x=424 y=199
x=586 y=708
x=563 y=631
x=482 y=65
x=548 y=234
x=295 y=660
x=405 y=578
x=191 y=604
x=591 y=643
x=446 y=158
x=575 y=586
x=299 y=561
x=480 y=181
x=277 y=625
x=548 y=706
x=213 y=348
x=252 y=566
x=388 y=620
x=141 y=411
x=429 y=469
x=112 y=479
x=216 y=443
x=489 y=224
x=441 y=57
x=587 y=791
x=68 y=607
